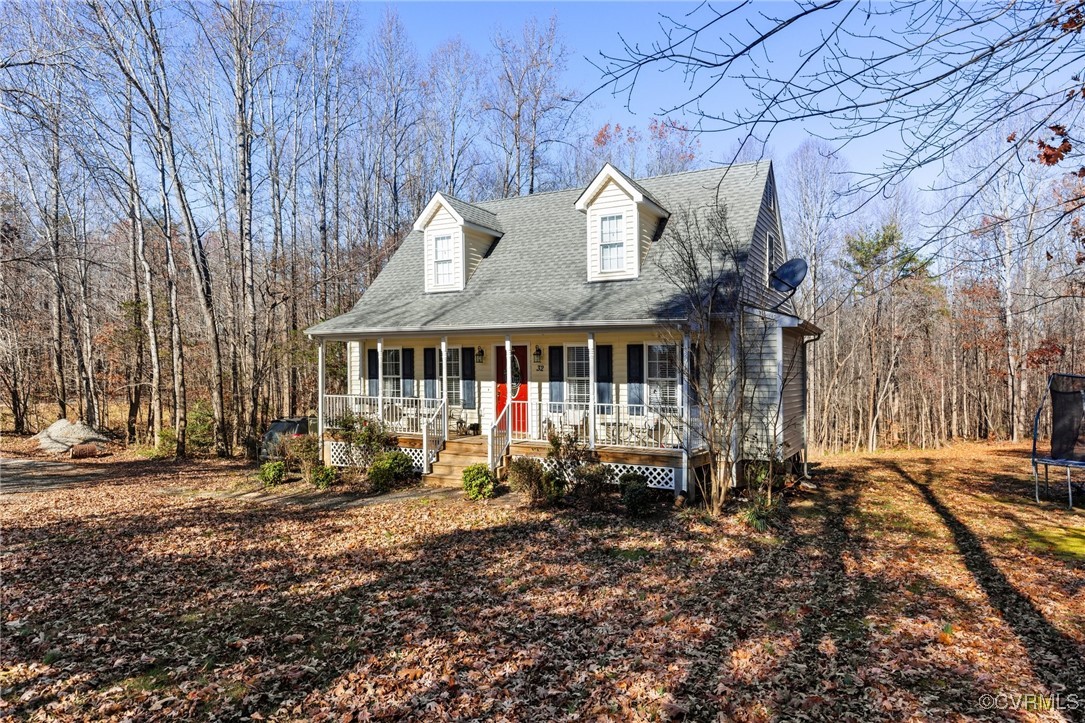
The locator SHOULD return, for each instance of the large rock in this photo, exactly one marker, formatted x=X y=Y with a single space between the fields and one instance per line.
x=62 y=435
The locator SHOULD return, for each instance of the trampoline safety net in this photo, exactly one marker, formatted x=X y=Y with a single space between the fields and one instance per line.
x=1068 y=417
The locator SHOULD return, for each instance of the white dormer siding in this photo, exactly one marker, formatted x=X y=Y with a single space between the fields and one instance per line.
x=613 y=217
x=456 y=236
x=621 y=222
x=444 y=271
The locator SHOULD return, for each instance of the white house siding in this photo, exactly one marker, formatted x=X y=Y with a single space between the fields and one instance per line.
x=354 y=367
x=611 y=200
x=475 y=246
x=647 y=226
x=754 y=289
x=794 y=396
x=443 y=223
x=761 y=386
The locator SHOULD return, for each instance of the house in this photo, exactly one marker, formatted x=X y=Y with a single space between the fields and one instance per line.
x=497 y=323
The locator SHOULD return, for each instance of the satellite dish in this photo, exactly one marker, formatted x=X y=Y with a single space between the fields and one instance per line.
x=788 y=277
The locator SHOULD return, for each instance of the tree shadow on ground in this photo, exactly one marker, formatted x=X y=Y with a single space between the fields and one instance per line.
x=1055 y=658
x=212 y=609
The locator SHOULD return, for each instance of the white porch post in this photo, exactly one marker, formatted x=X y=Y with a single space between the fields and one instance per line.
x=591 y=390
x=685 y=414
x=508 y=386
x=380 y=378
x=320 y=394
x=444 y=371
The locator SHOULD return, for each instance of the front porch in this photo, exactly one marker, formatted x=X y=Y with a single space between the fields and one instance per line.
x=621 y=392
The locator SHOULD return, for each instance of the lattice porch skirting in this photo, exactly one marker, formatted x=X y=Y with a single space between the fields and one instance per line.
x=663 y=478
x=343 y=455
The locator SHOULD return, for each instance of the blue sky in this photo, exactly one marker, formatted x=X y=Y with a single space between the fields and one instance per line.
x=587 y=28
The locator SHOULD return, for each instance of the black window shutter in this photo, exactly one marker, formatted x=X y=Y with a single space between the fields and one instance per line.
x=635 y=376
x=467 y=377
x=557 y=376
x=373 y=371
x=429 y=373
x=407 y=370
x=604 y=374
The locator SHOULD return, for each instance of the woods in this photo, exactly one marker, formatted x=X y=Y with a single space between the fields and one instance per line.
x=185 y=188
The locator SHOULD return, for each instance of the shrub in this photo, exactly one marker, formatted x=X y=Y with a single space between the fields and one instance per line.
x=636 y=496
x=167 y=443
x=272 y=474
x=479 y=482
x=591 y=482
x=390 y=469
x=568 y=453
x=369 y=440
x=542 y=488
x=759 y=514
x=346 y=422
x=200 y=431
x=322 y=477
x=301 y=454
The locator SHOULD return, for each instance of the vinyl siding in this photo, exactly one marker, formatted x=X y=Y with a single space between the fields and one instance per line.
x=794 y=397
x=611 y=200
x=475 y=246
x=444 y=223
x=754 y=289
x=761 y=385
x=354 y=367
x=647 y=226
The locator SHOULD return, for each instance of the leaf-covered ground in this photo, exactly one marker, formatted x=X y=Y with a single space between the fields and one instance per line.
x=908 y=587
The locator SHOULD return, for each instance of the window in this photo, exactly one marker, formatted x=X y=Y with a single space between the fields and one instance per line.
x=611 y=244
x=577 y=375
x=442 y=260
x=452 y=359
x=393 y=381
x=663 y=377
x=771 y=259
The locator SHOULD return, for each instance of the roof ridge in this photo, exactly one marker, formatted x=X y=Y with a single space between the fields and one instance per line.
x=717 y=168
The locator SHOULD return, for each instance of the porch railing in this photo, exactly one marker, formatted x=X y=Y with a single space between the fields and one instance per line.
x=405 y=415
x=499 y=439
x=434 y=433
x=621 y=425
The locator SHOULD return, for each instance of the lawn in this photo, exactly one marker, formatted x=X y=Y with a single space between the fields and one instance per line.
x=909 y=586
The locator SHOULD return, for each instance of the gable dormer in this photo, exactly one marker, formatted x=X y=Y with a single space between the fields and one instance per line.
x=456 y=236
x=622 y=219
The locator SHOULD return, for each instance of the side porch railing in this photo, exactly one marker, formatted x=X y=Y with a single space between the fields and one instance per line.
x=404 y=415
x=499 y=438
x=434 y=433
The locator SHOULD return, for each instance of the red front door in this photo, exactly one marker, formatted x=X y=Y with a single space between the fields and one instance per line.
x=519 y=385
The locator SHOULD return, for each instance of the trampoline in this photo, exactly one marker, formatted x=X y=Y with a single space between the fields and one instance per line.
x=1067 y=395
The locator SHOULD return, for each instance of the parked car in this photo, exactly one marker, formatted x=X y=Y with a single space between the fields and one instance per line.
x=281 y=430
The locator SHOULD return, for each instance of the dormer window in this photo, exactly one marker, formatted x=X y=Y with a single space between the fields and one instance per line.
x=611 y=244
x=622 y=219
x=442 y=260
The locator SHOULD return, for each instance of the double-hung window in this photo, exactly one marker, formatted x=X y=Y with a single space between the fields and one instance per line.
x=663 y=377
x=455 y=385
x=577 y=375
x=611 y=244
x=442 y=260
x=771 y=260
x=393 y=376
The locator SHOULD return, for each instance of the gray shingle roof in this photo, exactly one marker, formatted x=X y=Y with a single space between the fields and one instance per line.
x=474 y=214
x=536 y=275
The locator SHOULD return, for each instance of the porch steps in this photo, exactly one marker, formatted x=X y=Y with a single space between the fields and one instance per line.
x=457 y=455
